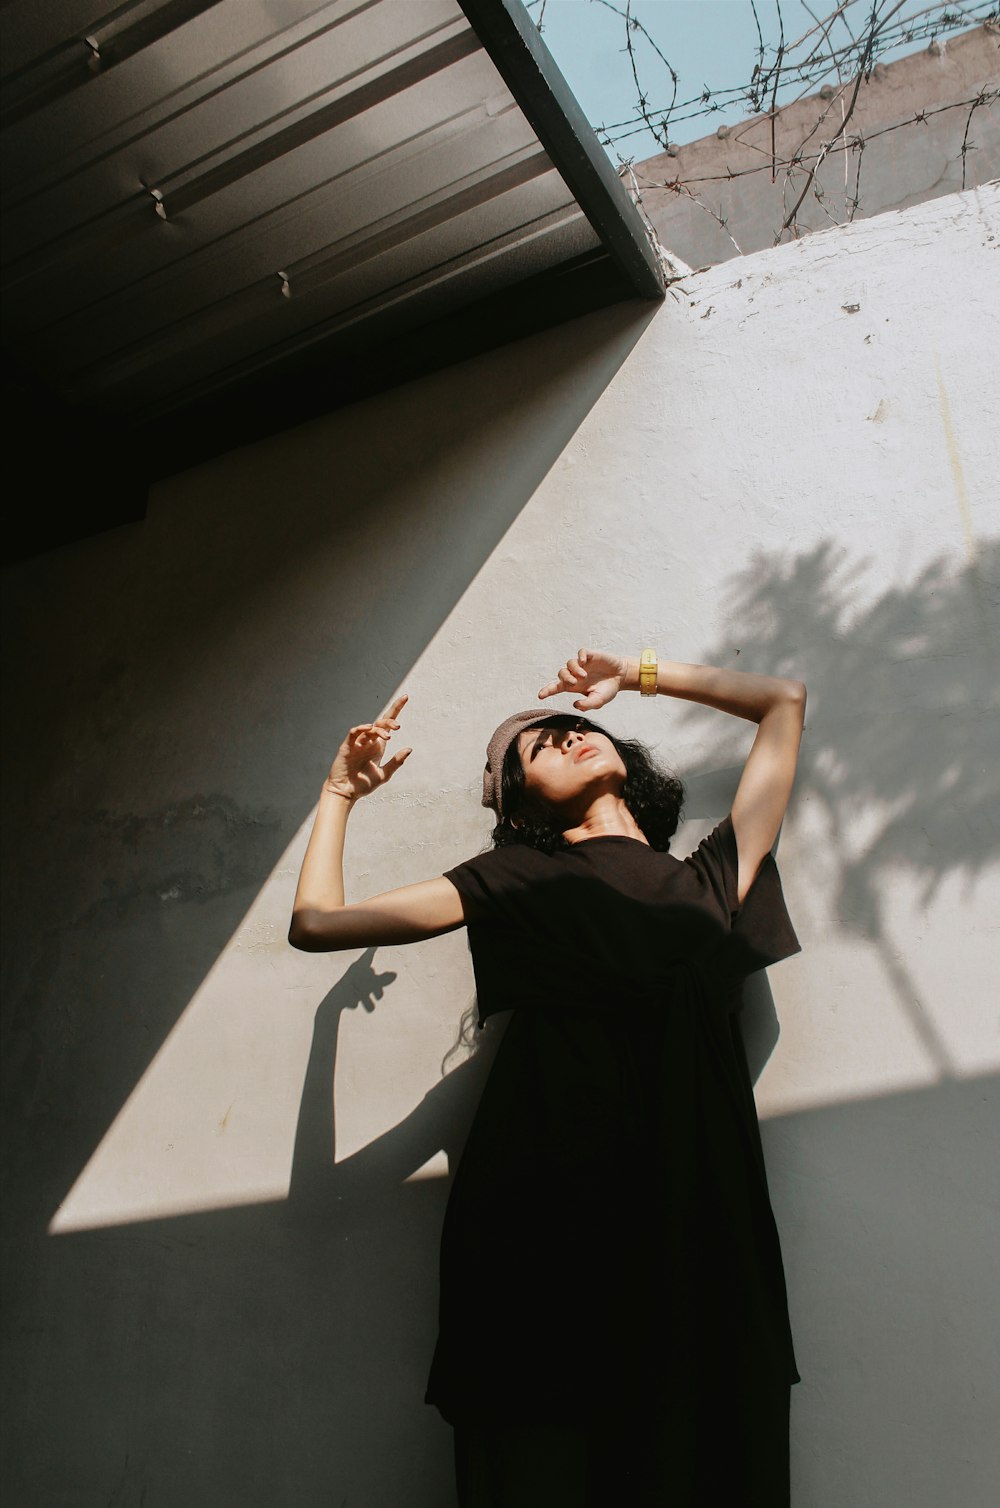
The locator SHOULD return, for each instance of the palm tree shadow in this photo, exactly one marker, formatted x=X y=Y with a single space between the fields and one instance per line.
x=898 y=764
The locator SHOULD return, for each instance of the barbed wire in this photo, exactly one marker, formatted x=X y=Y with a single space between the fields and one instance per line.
x=791 y=65
x=854 y=145
x=782 y=74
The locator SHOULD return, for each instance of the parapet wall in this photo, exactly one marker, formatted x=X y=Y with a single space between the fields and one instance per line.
x=715 y=198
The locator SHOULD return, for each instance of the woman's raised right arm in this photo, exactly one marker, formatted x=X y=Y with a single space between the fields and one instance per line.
x=322 y=922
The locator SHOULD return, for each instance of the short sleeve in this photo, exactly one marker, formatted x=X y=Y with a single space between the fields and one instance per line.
x=509 y=956
x=761 y=931
x=495 y=885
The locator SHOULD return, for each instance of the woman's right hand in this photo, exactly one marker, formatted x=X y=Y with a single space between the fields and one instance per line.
x=598 y=677
x=357 y=768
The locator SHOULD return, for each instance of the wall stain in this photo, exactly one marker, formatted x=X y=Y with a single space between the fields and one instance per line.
x=955 y=460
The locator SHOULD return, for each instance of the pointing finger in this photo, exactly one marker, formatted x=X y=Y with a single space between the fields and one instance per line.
x=392 y=765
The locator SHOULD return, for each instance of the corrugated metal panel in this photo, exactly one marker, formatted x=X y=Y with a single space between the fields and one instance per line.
x=194 y=190
x=224 y=216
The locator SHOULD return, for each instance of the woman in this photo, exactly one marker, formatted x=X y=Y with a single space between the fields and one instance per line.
x=613 y=1322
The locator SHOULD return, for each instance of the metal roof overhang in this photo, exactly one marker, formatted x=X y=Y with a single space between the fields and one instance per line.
x=223 y=218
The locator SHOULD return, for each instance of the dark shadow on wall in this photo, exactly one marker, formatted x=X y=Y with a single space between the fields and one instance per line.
x=172 y=692
x=888 y=1213
x=261 y=1356
x=254 y=1357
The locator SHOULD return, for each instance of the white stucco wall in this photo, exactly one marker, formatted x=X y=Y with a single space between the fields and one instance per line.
x=788 y=467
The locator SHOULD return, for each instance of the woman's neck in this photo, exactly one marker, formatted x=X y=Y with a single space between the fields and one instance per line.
x=607 y=817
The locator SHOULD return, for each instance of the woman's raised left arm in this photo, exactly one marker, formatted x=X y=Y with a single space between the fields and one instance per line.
x=776 y=705
x=322 y=921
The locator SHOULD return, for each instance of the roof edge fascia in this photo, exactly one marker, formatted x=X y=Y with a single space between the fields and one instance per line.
x=517 y=51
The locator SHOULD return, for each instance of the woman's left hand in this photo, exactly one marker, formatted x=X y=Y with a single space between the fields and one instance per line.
x=596 y=676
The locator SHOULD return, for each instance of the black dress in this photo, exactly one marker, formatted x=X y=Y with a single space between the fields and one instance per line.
x=609 y=1258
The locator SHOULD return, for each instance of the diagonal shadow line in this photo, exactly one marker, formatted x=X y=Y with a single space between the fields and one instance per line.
x=463 y=459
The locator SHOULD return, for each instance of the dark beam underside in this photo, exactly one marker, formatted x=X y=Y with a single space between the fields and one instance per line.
x=82 y=473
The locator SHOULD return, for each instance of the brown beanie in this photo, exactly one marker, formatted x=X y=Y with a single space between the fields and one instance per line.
x=498 y=745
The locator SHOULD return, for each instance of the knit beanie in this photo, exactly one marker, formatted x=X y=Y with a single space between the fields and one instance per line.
x=500 y=742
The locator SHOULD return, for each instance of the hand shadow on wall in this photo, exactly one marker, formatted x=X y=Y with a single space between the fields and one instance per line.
x=898 y=760
x=440 y=1123
x=369 y=1232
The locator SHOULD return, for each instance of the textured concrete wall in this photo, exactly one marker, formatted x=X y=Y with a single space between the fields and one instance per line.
x=715 y=198
x=225 y=1159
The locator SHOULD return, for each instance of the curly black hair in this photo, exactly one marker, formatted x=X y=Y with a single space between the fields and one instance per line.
x=652 y=795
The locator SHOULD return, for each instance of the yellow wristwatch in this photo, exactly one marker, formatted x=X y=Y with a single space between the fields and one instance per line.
x=647 y=673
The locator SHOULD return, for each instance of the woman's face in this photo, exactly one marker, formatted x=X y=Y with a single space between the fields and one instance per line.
x=567 y=765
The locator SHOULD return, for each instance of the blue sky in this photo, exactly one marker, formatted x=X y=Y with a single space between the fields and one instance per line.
x=708 y=42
